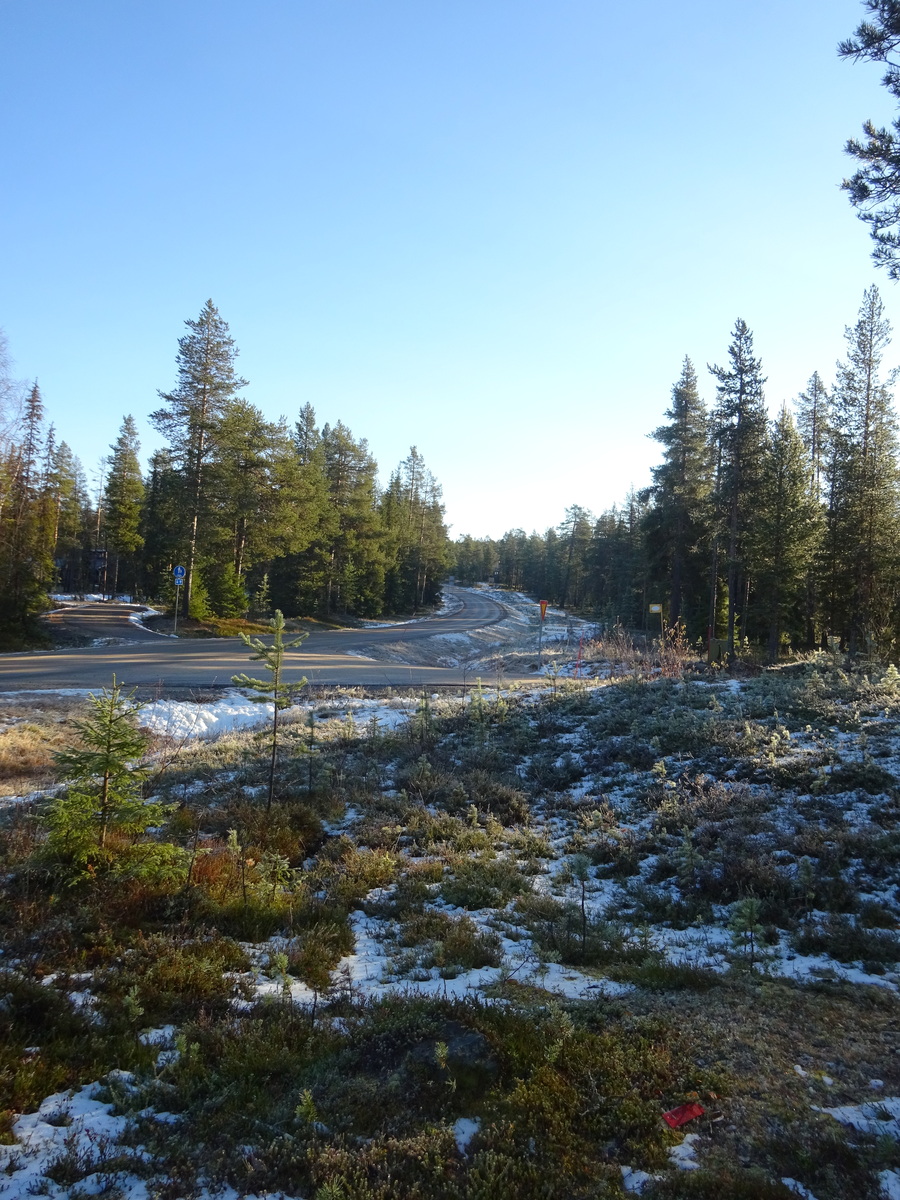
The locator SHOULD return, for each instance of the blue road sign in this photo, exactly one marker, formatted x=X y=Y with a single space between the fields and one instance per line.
x=179 y=572
x=179 y=582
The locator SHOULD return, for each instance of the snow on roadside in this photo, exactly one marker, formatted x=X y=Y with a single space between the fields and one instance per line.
x=184 y=721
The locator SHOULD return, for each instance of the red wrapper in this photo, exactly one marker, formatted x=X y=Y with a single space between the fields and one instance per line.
x=683 y=1113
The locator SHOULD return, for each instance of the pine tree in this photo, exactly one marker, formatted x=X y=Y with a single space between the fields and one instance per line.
x=739 y=424
x=863 y=476
x=190 y=420
x=258 y=487
x=678 y=523
x=875 y=186
x=297 y=580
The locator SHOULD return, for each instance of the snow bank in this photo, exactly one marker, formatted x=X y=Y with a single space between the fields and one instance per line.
x=182 y=720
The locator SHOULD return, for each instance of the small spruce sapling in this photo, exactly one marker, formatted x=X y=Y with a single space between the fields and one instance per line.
x=97 y=820
x=271 y=691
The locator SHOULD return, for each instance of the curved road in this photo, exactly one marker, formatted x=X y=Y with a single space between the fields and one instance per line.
x=163 y=662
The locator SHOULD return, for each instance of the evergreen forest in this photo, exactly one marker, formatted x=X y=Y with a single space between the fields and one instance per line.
x=262 y=514
x=755 y=531
x=768 y=532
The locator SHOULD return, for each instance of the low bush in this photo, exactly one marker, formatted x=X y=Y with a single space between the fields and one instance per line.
x=484 y=883
x=452 y=944
x=734 y=1184
x=844 y=939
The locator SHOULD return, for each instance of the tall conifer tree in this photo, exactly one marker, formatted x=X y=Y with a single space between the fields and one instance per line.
x=740 y=427
x=678 y=523
x=863 y=477
x=786 y=531
x=207 y=383
x=124 y=499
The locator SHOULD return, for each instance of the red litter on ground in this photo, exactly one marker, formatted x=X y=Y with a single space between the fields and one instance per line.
x=682 y=1114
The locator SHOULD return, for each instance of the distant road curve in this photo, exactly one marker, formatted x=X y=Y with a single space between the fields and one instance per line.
x=163 y=662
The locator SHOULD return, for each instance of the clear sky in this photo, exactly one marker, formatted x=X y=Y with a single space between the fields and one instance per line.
x=489 y=228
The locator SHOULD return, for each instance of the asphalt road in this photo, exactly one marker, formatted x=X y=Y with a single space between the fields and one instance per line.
x=162 y=662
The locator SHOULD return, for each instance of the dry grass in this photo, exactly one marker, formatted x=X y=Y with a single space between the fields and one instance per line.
x=753 y=1036
x=31 y=732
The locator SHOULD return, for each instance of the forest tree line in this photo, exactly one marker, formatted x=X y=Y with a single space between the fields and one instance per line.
x=777 y=532
x=262 y=514
x=782 y=531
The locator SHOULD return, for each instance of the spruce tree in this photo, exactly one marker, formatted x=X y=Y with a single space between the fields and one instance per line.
x=786 y=531
x=863 y=476
x=96 y=823
x=678 y=523
x=162 y=523
x=26 y=548
x=124 y=500
x=351 y=529
x=813 y=409
x=415 y=537
x=739 y=424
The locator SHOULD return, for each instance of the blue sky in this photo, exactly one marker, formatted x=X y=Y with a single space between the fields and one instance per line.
x=492 y=228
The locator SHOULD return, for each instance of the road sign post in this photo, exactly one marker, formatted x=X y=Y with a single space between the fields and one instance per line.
x=658 y=608
x=178 y=574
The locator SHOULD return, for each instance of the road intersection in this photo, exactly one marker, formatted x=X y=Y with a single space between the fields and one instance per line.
x=145 y=659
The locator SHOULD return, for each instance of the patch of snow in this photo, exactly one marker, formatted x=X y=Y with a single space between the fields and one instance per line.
x=635 y=1181
x=463 y=1132
x=796 y=1186
x=67 y=1123
x=684 y=1156
x=182 y=720
x=875 y=1117
x=163 y=1036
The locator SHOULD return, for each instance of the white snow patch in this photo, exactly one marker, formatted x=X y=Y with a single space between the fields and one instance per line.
x=463 y=1132
x=181 y=720
x=634 y=1180
x=163 y=1036
x=875 y=1117
x=684 y=1156
x=796 y=1186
